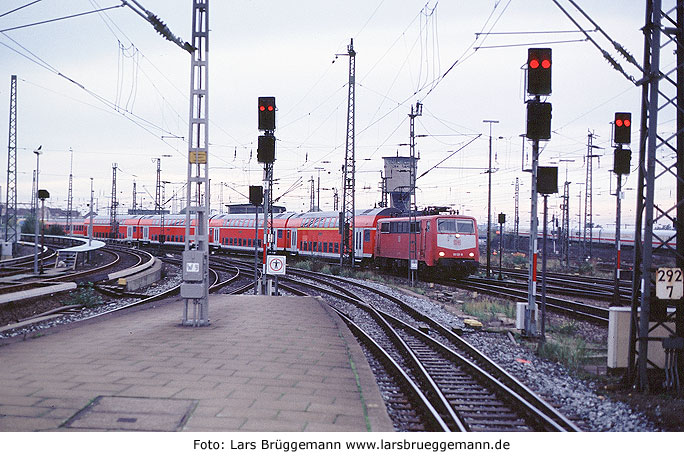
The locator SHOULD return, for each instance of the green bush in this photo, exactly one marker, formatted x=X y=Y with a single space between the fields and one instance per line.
x=86 y=296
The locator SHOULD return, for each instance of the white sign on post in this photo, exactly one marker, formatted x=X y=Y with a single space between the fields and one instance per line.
x=669 y=283
x=275 y=265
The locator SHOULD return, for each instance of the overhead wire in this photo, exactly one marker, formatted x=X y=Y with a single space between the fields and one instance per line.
x=59 y=19
x=19 y=8
x=138 y=120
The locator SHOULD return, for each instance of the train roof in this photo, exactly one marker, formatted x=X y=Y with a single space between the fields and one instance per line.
x=423 y=217
x=373 y=212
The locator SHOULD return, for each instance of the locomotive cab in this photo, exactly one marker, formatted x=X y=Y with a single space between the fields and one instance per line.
x=457 y=245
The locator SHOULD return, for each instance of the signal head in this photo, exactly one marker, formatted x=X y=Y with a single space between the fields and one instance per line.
x=622 y=133
x=267 y=108
x=539 y=71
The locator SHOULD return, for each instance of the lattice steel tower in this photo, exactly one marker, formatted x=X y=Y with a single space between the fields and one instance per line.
x=661 y=163
x=588 y=194
x=70 y=197
x=157 y=190
x=565 y=224
x=413 y=227
x=113 y=225
x=348 y=185
x=11 y=197
x=195 y=287
x=516 y=223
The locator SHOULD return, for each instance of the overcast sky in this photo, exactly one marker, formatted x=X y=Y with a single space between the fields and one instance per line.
x=108 y=88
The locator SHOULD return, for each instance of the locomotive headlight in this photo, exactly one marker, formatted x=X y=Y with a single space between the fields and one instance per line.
x=472 y=254
x=441 y=253
x=458 y=235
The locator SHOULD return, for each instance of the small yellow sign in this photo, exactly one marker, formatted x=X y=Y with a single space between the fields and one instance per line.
x=198 y=157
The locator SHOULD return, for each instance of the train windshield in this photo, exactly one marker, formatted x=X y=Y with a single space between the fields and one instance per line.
x=455 y=226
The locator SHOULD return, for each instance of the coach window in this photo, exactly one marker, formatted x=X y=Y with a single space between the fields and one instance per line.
x=366 y=236
x=249 y=242
x=337 y=247
x=330 y=247
x=325 y=247
x=385 y=227
x=280 y=234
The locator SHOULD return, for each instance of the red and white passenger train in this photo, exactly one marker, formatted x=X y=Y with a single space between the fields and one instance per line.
x=445 y=242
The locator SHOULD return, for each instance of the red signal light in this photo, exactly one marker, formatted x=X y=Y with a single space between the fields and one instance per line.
x=534 y=64
x=262 y=108
x=270 y=108
x=546 y=64
x=618 y=122
x=627 y=123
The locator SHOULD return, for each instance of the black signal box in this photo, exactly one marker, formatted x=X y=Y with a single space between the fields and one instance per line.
x=623 y=128
x=267 y=110
x=256 y=195
x=547 y=180
x=539 y=71
x=621 y=161
x=266 y=149
x=538 y=120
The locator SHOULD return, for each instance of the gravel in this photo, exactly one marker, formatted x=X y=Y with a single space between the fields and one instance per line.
x=576 y=398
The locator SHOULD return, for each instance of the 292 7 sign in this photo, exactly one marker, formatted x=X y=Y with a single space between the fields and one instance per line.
x=669 y=283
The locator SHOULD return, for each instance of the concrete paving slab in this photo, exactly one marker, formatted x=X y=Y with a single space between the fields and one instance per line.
x=263 y=364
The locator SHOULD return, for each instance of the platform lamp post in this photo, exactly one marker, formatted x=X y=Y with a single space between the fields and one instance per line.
x=36 y=225
x=42 y=195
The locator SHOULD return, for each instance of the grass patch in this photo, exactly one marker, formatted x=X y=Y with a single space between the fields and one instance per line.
x=565 y=349
x=569 y=328
x=487 y=309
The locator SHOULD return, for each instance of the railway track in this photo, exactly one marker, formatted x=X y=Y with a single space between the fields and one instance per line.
x=567 y=307
x=572 y=284
x=451 y=385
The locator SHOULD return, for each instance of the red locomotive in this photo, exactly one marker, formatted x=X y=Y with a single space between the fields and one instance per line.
x=447 y=242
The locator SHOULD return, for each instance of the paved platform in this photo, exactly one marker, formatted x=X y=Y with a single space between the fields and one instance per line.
x=264 y=364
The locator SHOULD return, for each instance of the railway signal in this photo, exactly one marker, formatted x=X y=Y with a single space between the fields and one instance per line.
x=547 y=180
x=266 y=149
x=621 y=161
x=539 y=71
x=538 y=120
x=256 y=195
x=623 y=128
x=267 y=108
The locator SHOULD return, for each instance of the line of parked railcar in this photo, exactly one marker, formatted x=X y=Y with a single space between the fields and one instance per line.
x=381 y=237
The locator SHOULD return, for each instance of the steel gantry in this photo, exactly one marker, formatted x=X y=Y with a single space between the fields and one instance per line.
x=661 y=163
x=11 y=204
x=349 y=169
x=195 y=286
